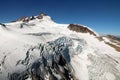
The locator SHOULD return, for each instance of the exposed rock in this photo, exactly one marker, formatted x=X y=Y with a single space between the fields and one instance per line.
x=112 y=37
x=27 y=19
x=115 y=42
x=100 y=38
x=22 y=18
x=80 y=28
x=41 y=15
x=117 y=48
x=32 y=18
x=3 y=25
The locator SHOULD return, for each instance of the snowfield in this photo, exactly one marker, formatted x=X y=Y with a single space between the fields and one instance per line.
x=42 y=49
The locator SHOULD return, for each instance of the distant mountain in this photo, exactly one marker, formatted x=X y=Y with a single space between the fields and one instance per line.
x=113 y=37
x=113 y=41
x=37 y=48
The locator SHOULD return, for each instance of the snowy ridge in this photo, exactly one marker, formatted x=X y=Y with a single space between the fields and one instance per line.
x=42 y=49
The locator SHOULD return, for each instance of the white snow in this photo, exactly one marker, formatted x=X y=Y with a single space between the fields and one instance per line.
x=109 y=76
x=15 y=41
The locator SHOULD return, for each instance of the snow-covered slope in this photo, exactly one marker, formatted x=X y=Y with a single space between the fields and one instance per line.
x=43 y=49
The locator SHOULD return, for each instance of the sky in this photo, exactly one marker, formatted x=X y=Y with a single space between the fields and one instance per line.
x=103 y=16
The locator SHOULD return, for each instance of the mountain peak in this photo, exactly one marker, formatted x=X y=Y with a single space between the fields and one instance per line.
x=41 y=15
x=37 y=48
x=27 y=19
x=23 y=18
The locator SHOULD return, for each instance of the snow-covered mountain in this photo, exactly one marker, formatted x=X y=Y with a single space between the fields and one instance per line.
x=37 y=48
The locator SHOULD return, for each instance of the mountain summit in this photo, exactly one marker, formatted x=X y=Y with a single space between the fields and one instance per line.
x=26 y=19
x=37 y=48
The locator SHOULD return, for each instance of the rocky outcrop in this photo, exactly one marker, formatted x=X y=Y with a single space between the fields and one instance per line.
x=80 y=28
x=24 y=18
x=117 y=48
x=3 y=25
x=27 y=19
x=114 y=42
x=41 y=15
x=32 y=18
x=112 y=37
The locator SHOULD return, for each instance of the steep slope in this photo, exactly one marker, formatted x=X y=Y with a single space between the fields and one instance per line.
x=41 y=49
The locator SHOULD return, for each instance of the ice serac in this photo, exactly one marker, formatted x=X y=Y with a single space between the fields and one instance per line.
x=41 y=49
x=53 y=62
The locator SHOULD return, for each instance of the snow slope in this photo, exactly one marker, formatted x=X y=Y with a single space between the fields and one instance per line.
x=44 y=49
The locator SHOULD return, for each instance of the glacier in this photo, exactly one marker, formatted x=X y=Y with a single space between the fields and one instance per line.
x=41 y=49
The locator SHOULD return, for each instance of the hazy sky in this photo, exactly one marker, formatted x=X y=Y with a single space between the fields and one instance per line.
x=101 y=15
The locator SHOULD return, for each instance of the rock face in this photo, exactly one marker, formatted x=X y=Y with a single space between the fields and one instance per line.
x=41 y=15
x=53 y=62
x=32 y=18
x=114 y=42
x=27 y=19
x=79 y=28
x=3 y=25
x=113 y=37
x=24 y=18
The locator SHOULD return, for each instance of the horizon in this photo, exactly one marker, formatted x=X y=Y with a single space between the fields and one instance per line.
x=102 y=15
